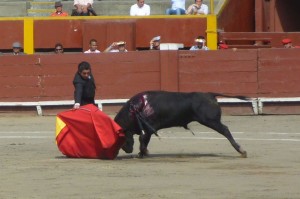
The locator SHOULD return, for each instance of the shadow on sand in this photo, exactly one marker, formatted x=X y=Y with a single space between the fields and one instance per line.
x=169 y=156
x=177 y=156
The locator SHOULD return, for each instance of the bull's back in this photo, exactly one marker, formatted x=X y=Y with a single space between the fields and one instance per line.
x=170 y=109
x=176 y=109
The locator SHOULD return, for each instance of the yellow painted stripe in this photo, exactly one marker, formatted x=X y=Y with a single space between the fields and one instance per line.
x=211 y=31
x=212 y=8
x=59 y=126
x=104 y=17
x=28 y=36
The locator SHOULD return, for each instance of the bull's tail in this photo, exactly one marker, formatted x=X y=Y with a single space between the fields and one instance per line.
x=241 y=97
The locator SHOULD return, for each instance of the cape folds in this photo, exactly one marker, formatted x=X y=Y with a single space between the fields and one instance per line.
x=88 y=133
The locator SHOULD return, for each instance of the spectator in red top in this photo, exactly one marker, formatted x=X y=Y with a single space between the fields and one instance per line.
x=222 y=45
x=59 y=12
x=287 y=43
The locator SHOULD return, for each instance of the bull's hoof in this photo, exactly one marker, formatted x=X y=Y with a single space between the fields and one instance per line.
x=244 y=154
x=140 y=155
x=144 y=153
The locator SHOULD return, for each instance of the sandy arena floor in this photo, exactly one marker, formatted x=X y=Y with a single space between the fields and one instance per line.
x=181 y=165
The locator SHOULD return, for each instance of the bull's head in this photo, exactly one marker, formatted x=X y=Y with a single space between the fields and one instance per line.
x=126 y=121
x=129 y=142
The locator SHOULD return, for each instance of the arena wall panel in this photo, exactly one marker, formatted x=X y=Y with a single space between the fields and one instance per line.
x=11 y=31
x=255 y=73
x=278 y=72
x=222 y=71
x=49 y=32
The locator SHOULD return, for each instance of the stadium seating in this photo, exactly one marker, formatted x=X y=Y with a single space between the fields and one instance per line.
x=21 y=8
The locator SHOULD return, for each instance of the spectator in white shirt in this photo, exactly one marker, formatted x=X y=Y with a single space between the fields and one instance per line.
x=198 y=8
x=140 y=9
x=155 y=43
x=83 y=8
x=199 y=44
x=93 y=47
x=119 y=46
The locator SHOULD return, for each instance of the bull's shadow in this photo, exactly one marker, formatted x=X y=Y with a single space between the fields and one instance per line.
x=163 y=156
x=177 y=156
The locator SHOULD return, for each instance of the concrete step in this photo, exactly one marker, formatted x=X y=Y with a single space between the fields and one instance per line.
x=13 y=9
x=41 y=5
x=40 y=8
x=39 y=12
x=43 y=1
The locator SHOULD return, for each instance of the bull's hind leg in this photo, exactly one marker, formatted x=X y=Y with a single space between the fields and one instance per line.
x=222 y=129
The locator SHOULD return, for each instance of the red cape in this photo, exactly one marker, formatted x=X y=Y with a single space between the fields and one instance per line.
x=88 y=133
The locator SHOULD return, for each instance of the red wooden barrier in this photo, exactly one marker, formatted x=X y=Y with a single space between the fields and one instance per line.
x=278 y=73
x=76 y=34
x=255 y=73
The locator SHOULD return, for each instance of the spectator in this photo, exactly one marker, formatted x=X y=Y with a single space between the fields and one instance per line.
x=58 y=49
x=155 y=43
x=84 y=84
x=17 y=49
x=117 y=47
x=177 y=8
x=59 y=12
x=287 y=43
x=93 y=47
x=199 y=44
x=140 y=9
x=198 y=8
x=83 y=8
x=222 y=45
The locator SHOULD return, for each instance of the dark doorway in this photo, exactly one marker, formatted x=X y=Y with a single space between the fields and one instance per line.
x=288 y=15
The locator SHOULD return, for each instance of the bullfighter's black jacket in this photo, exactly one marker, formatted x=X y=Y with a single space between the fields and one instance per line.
x=84 y=90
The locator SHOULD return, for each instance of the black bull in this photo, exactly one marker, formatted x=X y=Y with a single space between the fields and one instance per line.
x=146 y=113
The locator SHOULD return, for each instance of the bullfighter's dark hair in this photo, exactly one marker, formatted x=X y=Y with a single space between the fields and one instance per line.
x=84 y=66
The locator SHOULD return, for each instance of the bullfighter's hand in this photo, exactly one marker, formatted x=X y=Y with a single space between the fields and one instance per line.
x=76 y=106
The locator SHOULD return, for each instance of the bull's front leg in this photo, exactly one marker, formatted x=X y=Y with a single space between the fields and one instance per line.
x=144 y=141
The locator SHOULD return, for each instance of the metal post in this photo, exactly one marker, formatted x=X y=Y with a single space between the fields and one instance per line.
x=212 y=9
x=28 y=36
x=211 y=32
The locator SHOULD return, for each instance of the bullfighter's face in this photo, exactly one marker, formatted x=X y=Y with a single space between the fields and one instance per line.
x=85 y=74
